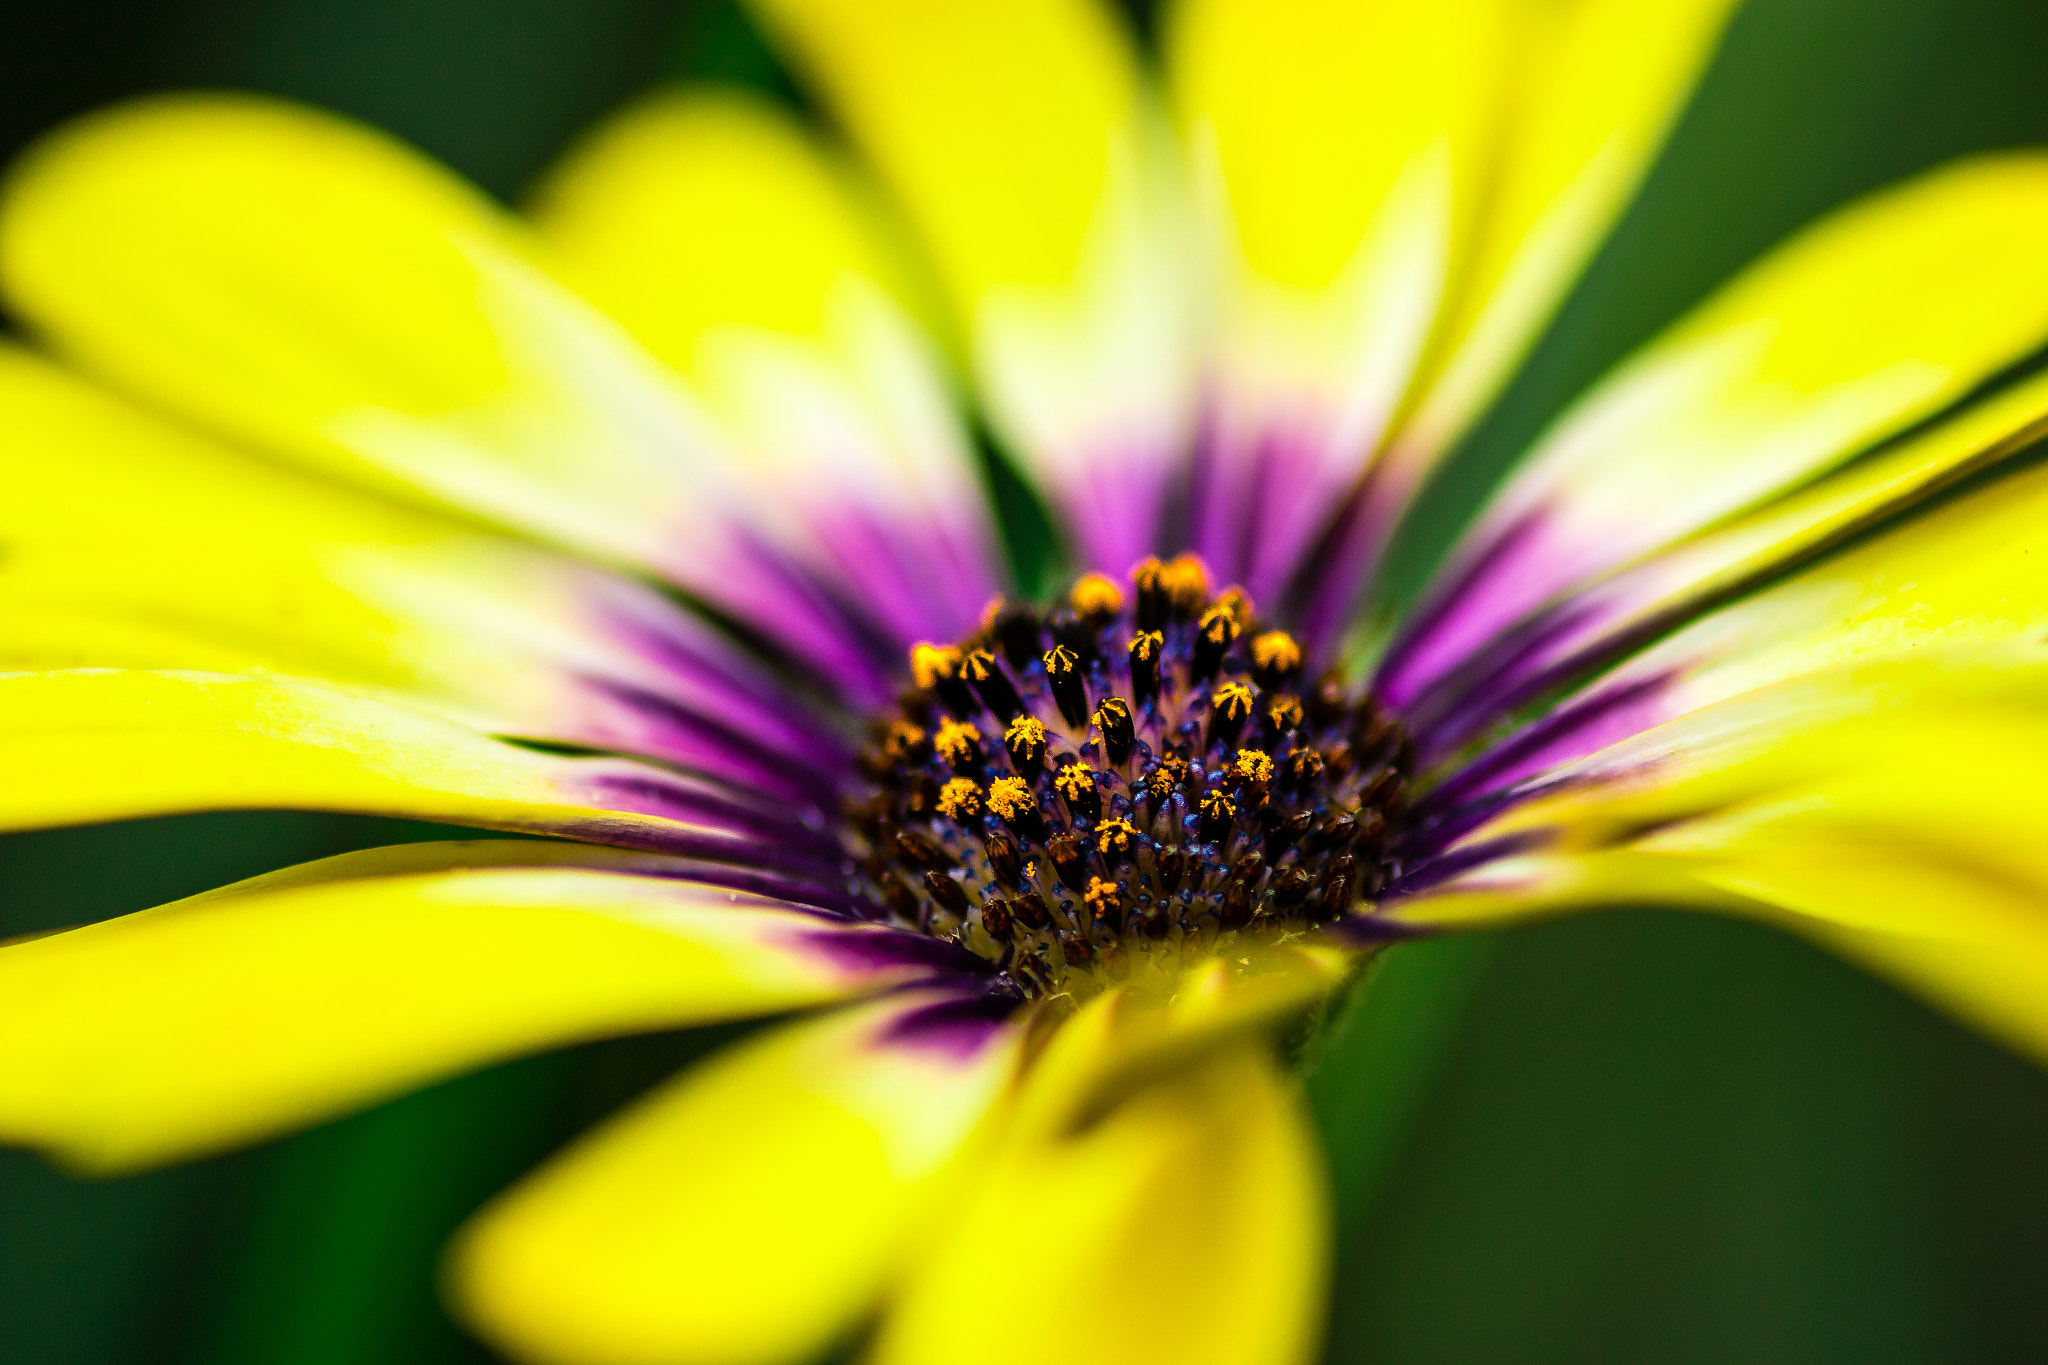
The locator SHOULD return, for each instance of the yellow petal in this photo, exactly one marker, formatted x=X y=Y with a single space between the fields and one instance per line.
x=1187 y=1225
x=748 y=1212
x=1874 y=318
x=132 y=544
x=1340 y=149
x=205 y=1024
x=87 y=745
x=1889 y=811
x=1596 y=86
x=1021 y=147
x=713 y=227
x=313 y=289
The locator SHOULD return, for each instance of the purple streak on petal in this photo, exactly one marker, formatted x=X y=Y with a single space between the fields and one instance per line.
x=868 y=949
x=1440 y=868
x=1494 y=680
x=1373 y=931
x=1259 y=498
x=917 y=576
x=643 y=722
x=1517 y=567
x=1113 y=510
x=804 y=893
x=955 y=1028
x=708 y=844
x=1582 y=726
x=1328 y=591
x=696 y=801
x=709 y=675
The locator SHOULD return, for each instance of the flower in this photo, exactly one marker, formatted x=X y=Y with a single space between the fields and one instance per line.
x=653 y=530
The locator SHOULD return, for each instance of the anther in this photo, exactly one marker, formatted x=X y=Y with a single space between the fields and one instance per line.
x=1005 y=860
x=1014 y=804
x=992 y=684
x=1214 y=634
x=1115 y=840
x=1276 y=659
x=1301 y=767
x=1069 y=861
x=1235 y=909
x=959 y=743
x=1146 y=646
x=995 y=919
x=1231 y=704
x=1381 y=789
x=1290 y=889
x=1187 y=585
x=1030 y=911
x=1076 y=948
x=922 y=850
x=1283 y=713
x=1292 y=832
x=960 y=800
x=1218 y=813
x=1252 y=770
x=936 y=669
x=1105 y=904
x=1071 y=630
x=1096 y=600
x=1063 y=675
x=1113 y=719
x=1025 y=739
x=1170 y=772
x=900 y=899
x=906 y=743
x=1077 y=785
x=949 y=894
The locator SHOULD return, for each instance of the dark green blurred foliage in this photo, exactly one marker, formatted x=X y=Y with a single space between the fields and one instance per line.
x=1629 y=1138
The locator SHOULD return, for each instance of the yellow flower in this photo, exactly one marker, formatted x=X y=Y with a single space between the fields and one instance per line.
x=351 y=492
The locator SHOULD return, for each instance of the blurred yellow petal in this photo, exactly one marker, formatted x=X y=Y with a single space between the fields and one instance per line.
x=312 y=288
x=1037 y=175
x=1186 y=1225
x=1889 y=811
x=1876 y=317
x=746 y=1213
x=85 y=745
x=713 y=227
x=1596 y=85
x=1340 y=150
x=205 y=1024
x=133 y=544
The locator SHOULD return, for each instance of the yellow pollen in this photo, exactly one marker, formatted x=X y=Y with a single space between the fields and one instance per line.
x=1252 y=767
x=957 y=740
x=1276 y=649
x=1169 y=774
x=1218 y=806
x=1187 y=582
x=1100 y=892
x=1074 y=781
x=1233 y=699
x=1095 y=598
x=990 y=612
x=1025 y=732
x=980 y=666
x=960 y=799
x=1146 y=644
x=1285 y=712
x=902 y=740
x=1115 y=836
x=1305 y=763
x=1009 y=798
x=1030 y=871
x=1238 y=603
x=1115 y=708
x=1218 y=626
x=1148 y=573
x=1059 y=660
x=932 y=664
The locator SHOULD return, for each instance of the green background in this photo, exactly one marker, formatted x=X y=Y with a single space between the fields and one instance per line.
x=1631 y=1138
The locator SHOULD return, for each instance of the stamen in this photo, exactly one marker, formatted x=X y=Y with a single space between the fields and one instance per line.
x=1167 y=789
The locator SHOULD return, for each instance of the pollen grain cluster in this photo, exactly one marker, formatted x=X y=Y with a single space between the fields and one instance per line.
x=1125 y=782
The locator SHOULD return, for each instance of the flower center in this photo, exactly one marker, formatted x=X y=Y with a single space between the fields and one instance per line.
x=1107 y=792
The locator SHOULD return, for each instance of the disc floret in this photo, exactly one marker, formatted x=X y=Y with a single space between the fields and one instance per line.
x=1125 y=784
